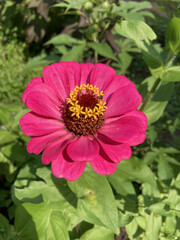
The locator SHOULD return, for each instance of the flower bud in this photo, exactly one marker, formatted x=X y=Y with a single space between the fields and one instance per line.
x=88 y=5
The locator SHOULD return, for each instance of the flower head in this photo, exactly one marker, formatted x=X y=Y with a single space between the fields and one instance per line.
x=82 y=113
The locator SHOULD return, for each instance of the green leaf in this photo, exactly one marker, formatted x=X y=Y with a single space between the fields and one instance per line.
x=153 y=226
x=7 y=168
x=172 y=37
x=74 y=54
x=134 y=170
x=162 y=208
x=136 y=30
x=131 y=229
x=64 y=39
x=172 y=75
x=103 y=49
x=169 y=226
x=99 y=233
x=4 y=228
x=124 y=219
x=5 y=116
x=7 y=137
x=96 y=200
x=41 y=61
x=126 y=60
x=39 y=222
x=53 y=190
x=165 y=170
x=158 y=102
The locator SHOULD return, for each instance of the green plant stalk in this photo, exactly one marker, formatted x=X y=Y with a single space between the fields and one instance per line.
x=169 y=62
x=150 y=94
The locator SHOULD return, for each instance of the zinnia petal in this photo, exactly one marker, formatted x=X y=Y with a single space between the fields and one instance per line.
x=103 y=166
x=36 y=125
x=116 y=152
x=37 y=144
x=102 y=76
x=124 y=100
x=122 y=133
x=85 y=73
x=83 y=149
x=118 y=82
x=71 y=171
x=44 y=88
x=41 y=104
x=53 y=151
x=62 y=77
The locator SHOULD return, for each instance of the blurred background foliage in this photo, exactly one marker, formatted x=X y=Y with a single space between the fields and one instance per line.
x=34 y=33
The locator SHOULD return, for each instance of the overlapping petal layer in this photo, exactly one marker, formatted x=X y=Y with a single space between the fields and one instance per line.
x=68 y=152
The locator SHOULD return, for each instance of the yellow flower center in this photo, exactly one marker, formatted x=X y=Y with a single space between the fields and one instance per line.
x=84 y=111
x=86 y=102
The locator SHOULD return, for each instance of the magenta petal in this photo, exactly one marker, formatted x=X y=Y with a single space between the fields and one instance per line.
x=124 y=100
x=35 y=125
x=62 y=77
x=122 y=133
x=53 y=151
x=63 y=167
x=101 y=76
x=44 y=88
x=83 y=149
x=116 y=152
x=37 y=144
x=102 y=166
x=118 y=82
x=34 y=81
x=68 y=170
x=136 y=119
x=85 y=73
x=41 y=104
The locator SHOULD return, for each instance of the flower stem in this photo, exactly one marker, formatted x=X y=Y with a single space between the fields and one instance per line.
x=155 y=85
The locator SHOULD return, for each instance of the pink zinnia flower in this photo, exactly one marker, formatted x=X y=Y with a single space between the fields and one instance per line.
x=82 y=113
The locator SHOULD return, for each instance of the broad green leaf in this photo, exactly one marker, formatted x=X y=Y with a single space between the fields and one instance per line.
x=172 y=37
x=7 y=137
x=134 y=170
x=5 y=116
x=125 y=60
x=134 y=5
x=56 y=228
x=96 y=200
x=53 y=190
x=4 y=228
x=15 y=151
x=136 y=30
x=131 y=228
x=153 y=226
x=162 y=208
x=99 y=233
x=169 y=226
x=159 y=100
x=74 y=54
x=39 y=222
x=7 y=168
x=64 y=39
x=103 y=49
x=124 y=219
x=165 y=170
x=41 y=61
x=141 y=221
x=172 y=74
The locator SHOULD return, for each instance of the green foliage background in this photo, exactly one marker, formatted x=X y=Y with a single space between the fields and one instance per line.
x=138 y=40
